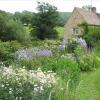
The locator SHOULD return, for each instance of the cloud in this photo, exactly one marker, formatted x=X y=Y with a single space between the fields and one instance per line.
x=30 y=5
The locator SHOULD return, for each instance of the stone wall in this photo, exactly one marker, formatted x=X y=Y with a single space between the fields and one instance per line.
x=74 y=20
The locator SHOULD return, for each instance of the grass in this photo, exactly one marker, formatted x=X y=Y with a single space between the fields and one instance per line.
x=60 y=31
x=27 y=29
x=89 y=88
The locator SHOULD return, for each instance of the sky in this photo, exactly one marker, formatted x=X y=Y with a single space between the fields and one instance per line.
x=30 y=5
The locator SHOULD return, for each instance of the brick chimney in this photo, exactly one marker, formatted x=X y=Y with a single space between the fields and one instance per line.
x=93 y=9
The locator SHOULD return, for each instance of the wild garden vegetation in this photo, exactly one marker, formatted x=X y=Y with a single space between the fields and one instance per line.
x=32 y=64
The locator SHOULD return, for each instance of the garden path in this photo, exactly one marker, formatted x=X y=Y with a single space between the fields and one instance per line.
x=89 y=87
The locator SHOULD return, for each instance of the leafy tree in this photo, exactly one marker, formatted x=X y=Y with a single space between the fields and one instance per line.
x=10 y=29
x=91 y=34
x=17 y=16
x=63 y=17
x=25 y=17
x=44 y=21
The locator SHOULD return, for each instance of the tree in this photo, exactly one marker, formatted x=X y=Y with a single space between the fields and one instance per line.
x=63 y=17
x=17 y=16
x=25 y=17
x=44 y=21
x=91 y=34
x=11 y=29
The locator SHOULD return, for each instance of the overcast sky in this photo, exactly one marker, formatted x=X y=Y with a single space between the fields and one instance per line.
x=30 y=5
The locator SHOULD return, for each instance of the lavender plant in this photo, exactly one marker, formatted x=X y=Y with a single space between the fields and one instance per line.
x=28 y=54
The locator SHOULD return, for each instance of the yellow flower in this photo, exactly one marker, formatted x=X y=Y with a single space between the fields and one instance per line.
x=82 y=61
x=98 y=58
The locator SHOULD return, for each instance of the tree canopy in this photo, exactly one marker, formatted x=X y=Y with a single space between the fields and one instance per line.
x=11 y=29
x=44 y=21
x=25 y=17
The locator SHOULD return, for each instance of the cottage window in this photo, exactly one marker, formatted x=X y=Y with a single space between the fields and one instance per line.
x=75 y=30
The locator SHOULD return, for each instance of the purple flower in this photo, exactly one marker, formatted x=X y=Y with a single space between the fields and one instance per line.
x=26 y=54
x=44 y=53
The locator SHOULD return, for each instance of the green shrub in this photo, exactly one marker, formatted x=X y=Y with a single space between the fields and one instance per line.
x=44 y=22
x=25 y=85
x=11 y=29
x=7 y=51
x=86 y=61
x=66 y=69
x=35 y=63
x=71 y=46
x=91 y=34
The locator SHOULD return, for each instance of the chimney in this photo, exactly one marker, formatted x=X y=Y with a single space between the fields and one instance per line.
x=93 y=9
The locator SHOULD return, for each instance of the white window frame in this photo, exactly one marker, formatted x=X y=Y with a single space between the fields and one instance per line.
x=75 y=30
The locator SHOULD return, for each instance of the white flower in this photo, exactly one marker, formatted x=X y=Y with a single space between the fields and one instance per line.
x=10 y=89
x=2 y=85
x=49 y=71
x=62 y=89
x=36 y=89
x=41 y=88
x=35 y=85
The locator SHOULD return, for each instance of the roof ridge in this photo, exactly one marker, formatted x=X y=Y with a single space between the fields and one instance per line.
x=89 y=16
x=82 y=9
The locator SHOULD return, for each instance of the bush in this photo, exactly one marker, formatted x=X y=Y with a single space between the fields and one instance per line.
x=91 y=34
x=87 y=61
x=44 y=21
x=92 y=39
x=67 y=71
x=11 y=29
x=20 y=84
x=7 y=51
x=35 y=63
x=71 y=46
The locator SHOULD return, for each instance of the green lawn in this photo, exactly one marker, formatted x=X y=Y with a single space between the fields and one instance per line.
x=89 y=88
x=60 y=31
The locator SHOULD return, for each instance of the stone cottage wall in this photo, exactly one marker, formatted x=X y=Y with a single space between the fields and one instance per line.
x=74 y=20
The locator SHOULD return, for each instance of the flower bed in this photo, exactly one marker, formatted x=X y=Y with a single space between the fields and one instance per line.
x=20 y=84
x=28 y=54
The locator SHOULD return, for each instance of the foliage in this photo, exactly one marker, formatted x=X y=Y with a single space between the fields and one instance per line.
x=10 y=29
x=66 y=69
x=7 y=51
x=44 y=21
x=71 y=46
x=63 y=17
x=91 y=34
x=60 y=31
x=87 y=61
x=66 y=66
x=84 y=25
x=17 y=16
x=23 y=85
x=25 y=17
x=69 y=72
x=34 y=63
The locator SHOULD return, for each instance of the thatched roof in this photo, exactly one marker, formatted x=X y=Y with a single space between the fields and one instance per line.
x=90 y=17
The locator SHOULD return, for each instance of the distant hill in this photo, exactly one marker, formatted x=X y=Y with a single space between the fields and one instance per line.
x=64 y=17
